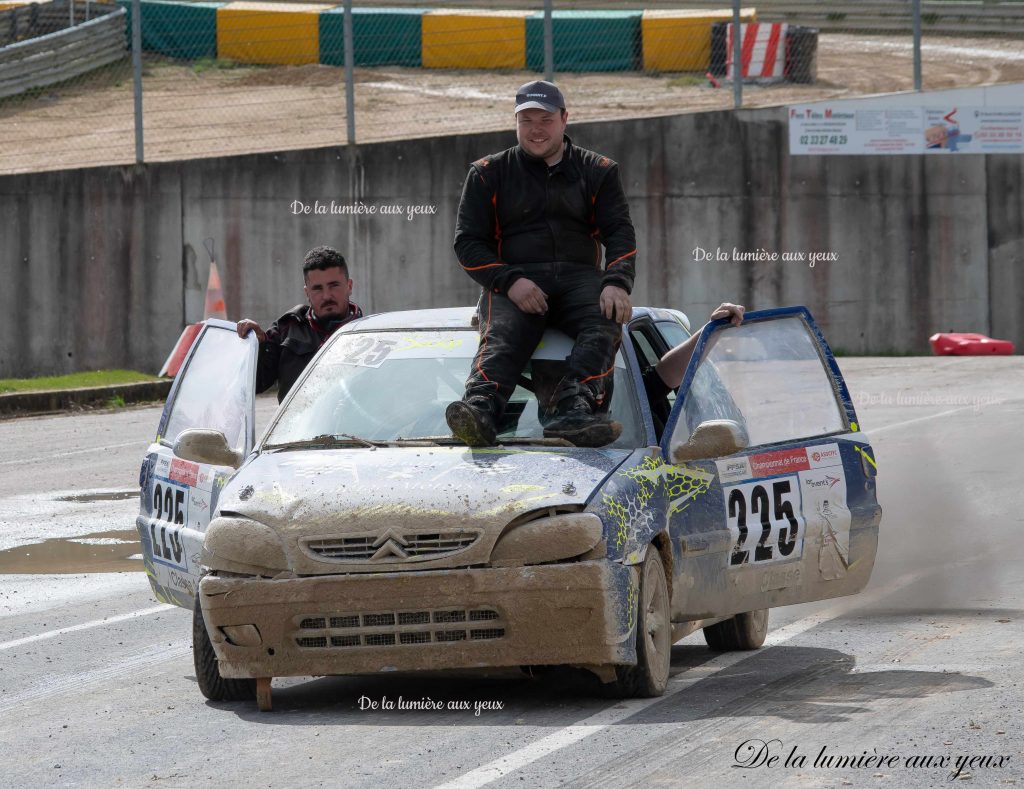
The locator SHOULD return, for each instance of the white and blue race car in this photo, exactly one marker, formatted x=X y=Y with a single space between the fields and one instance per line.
x=358 y=536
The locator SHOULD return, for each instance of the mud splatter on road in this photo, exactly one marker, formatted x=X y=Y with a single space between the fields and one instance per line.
x=98 y=552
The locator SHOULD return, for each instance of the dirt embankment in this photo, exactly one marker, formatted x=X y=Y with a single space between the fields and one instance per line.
x=197 y=110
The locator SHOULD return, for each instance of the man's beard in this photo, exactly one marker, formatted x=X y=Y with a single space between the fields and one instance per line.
x=332 y=312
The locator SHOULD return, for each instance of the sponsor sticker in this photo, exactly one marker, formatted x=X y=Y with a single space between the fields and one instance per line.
x=824 y=455
x=204 y=479
x=734 y=469
x=184 y=471
x=828 y=518
x=784 y=461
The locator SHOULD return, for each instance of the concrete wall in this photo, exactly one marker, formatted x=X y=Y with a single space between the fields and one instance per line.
x=102 y=267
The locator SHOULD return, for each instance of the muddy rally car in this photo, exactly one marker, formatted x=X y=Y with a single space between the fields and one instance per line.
x=358 y=536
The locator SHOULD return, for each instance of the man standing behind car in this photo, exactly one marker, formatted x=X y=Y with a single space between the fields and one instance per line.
x=531 y=226
x=287 y=346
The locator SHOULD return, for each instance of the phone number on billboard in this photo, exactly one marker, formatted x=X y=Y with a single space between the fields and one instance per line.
x=822 y=139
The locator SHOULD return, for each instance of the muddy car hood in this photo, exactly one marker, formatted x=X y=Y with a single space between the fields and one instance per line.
x=355 y=500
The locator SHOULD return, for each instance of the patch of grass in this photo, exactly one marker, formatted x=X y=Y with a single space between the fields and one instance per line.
x=75 y=381
x=115 y=402
x=688 y=81
x=208 y=64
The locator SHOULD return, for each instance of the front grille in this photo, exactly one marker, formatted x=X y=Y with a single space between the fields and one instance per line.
x=363 y=547
x=397 y=628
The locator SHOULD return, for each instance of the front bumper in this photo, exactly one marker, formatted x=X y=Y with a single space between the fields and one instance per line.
x=581 y=613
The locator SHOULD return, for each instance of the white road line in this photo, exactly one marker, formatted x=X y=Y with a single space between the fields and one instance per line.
x=84 y=626
x=573 y=733
x=23 y=461
x=931 y=668
x=974 y=52
x=124 y=670
x=883 y=428
x=976 y=407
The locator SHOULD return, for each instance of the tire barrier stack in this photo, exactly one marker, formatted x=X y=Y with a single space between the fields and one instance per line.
x=770 y=52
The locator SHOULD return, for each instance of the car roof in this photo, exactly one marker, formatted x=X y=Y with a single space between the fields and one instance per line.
x=462 y=318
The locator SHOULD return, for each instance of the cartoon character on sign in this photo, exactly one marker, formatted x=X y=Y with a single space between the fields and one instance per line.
x=833 y=559
x=941 y=135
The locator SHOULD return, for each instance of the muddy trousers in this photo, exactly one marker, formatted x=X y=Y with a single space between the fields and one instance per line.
x=508 y=338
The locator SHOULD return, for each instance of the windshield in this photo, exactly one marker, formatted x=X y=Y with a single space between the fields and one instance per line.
x=387 y=386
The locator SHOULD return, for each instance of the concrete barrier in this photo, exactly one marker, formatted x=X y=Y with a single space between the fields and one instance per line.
x=178 y=30
x=680 y=40
x=103 y=267
x=269 y=33
x=468 y=38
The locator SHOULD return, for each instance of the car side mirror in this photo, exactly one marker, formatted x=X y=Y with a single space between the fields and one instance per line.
x=714 y=438
x=201 y=445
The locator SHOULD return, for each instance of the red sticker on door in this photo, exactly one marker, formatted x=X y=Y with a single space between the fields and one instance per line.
x=184 y=472
x=782 y=462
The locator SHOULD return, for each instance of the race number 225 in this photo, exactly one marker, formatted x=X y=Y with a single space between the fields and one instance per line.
x=765 y=520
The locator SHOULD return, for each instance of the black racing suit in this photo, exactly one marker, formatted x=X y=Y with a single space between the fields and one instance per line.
x=291 y=342
x=520 y=218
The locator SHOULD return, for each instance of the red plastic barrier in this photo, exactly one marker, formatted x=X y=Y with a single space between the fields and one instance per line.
x=961 y=344
x=173 y=363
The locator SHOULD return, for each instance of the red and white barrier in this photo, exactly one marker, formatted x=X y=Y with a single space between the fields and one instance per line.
x=762 y=52
x=968 y=344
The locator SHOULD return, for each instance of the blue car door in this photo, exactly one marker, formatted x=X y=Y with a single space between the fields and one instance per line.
x=791 y=513
x=214 y=389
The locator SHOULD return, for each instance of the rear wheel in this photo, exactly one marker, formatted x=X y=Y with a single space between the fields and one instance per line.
x=649 y=676
x=743 y=631
x=211 y=683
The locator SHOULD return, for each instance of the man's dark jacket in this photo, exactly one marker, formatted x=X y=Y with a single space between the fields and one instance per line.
x=515 y=210
x=291 y=342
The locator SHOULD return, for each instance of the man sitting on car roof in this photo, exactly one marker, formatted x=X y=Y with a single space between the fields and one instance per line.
x=531 y=225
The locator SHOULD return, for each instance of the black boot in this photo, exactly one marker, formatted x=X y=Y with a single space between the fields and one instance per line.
x=470 y=425
x=576 y=422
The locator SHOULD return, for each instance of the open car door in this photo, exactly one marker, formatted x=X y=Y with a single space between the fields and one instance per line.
x=215 y=389
x=791 y=513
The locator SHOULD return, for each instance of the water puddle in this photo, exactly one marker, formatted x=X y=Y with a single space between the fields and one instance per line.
x=98 y=552
x=101 y=495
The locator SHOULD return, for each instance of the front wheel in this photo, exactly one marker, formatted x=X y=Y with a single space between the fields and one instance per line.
x=211 y=683
x=743 y=631
x=649 y=676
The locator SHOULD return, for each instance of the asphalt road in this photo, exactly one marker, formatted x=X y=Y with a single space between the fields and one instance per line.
x=918 y=679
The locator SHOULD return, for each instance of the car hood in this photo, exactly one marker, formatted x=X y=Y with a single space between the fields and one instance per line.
x=362 y=497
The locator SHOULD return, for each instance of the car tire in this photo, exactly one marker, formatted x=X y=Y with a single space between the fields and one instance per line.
x=743 y=631
x=211 y=683
x=649 y=677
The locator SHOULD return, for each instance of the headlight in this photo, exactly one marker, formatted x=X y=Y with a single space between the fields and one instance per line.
x=548 y=540
x=241 y=545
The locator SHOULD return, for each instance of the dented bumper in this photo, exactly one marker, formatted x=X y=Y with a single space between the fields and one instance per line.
x=578 y=613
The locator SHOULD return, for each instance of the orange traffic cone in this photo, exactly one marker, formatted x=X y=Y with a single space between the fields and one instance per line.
x=181 y=349
x=214 y=296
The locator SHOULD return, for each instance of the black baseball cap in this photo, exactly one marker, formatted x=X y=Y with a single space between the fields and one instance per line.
x=539 y=95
